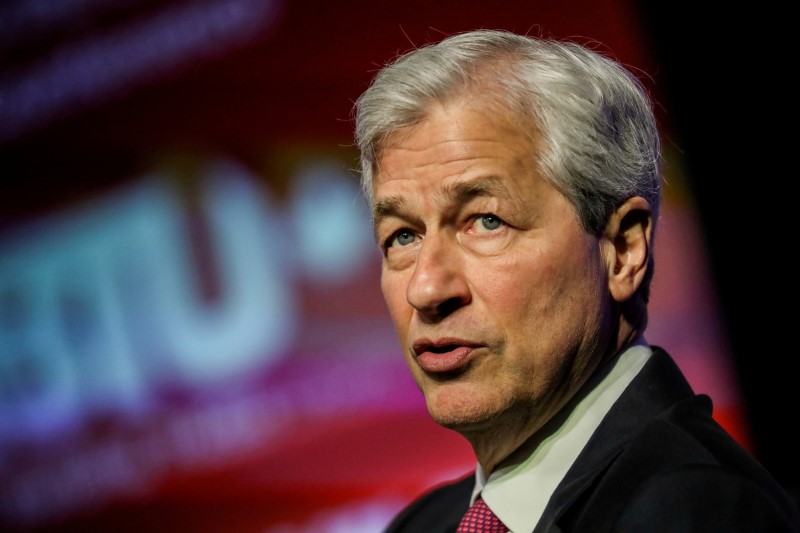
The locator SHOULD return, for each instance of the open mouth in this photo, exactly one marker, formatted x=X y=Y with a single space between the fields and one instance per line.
x=443 y=348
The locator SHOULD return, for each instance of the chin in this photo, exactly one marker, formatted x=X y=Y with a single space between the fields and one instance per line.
x=463 y=410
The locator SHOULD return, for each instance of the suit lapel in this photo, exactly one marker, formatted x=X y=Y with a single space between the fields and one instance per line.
x=658 y=385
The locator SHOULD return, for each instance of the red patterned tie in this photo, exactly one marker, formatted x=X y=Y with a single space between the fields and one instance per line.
x=480 y=519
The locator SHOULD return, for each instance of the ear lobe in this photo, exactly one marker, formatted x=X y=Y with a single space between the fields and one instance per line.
x=630 y=230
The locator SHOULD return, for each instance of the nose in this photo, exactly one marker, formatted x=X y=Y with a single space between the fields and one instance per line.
x=438 y=285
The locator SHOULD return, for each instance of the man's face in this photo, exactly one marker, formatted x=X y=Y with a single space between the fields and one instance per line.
x=497 y=294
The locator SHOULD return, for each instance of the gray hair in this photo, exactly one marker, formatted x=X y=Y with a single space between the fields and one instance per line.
x=600 y=142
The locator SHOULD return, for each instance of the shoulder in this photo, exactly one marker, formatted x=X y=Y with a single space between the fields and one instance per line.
x=438 y=510
x=706 y=498
x=660 y=462
x=684 y=471
x=691 y=463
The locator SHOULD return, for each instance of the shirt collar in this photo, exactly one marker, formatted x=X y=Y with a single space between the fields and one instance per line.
x=518 y=491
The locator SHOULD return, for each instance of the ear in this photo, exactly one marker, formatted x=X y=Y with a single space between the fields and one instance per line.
x=629 y=231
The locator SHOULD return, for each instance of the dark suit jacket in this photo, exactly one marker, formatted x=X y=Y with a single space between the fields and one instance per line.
x=657 y=462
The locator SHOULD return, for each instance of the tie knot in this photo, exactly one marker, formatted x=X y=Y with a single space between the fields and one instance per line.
x=480 y=519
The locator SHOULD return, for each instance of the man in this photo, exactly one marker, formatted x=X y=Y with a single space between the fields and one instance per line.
x=515 y=187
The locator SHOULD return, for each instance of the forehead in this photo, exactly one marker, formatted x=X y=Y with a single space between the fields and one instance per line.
x=457 y=141
x=457 y=156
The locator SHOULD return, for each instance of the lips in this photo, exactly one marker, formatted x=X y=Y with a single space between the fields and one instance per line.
x=444 y=354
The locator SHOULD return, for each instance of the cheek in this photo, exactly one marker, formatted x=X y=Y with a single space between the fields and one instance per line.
x=393 y=288
x=520 y=283
x=547 y=296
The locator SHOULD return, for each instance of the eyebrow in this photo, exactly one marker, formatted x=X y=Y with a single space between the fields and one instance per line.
x=384 y=209
x=456 y=193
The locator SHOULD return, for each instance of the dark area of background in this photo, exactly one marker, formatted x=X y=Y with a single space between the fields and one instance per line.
x=722 y=79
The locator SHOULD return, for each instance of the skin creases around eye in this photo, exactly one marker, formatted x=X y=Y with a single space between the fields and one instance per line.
x=487 y=234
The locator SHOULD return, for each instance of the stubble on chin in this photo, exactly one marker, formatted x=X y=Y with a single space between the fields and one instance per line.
x=467 y=408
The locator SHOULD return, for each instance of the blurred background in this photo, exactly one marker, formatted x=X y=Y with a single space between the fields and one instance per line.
x=192 y=336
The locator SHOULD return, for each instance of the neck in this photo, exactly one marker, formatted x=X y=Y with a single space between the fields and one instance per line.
x=497 y=443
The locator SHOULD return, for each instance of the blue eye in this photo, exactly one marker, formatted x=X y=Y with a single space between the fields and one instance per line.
x=490 y=222
x=403 y=237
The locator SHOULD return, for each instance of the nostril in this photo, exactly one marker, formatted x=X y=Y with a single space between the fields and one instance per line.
x=449 y=306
